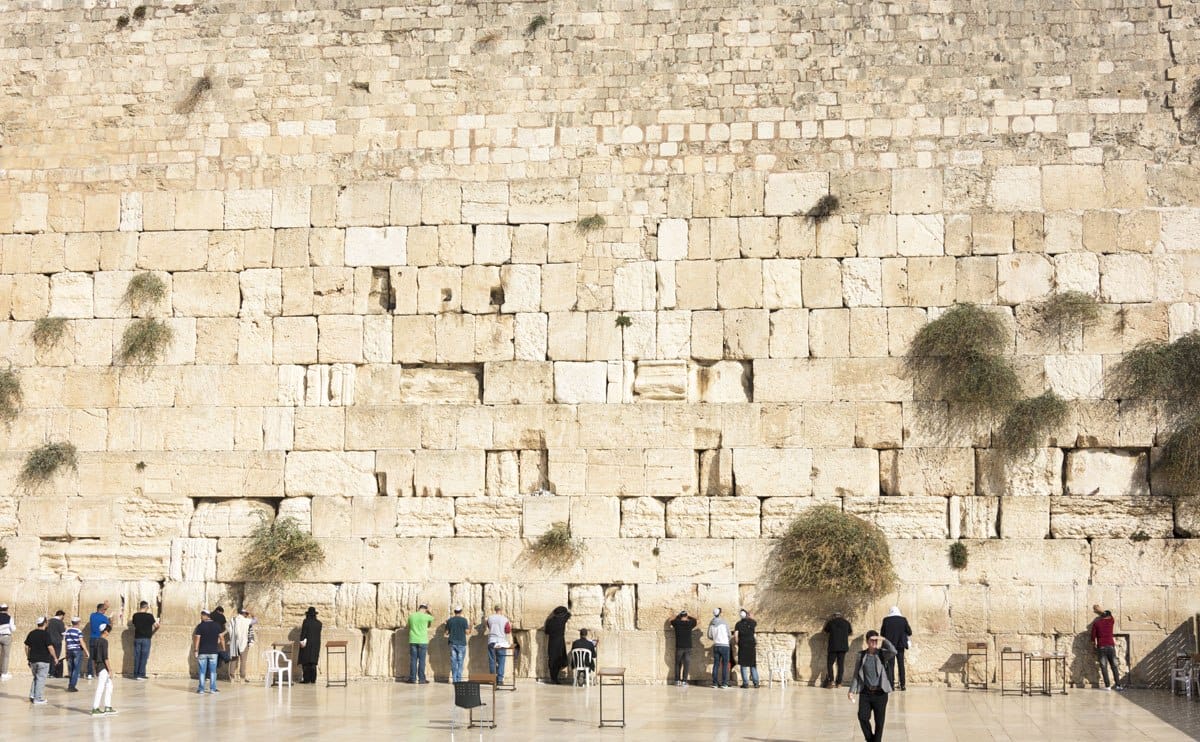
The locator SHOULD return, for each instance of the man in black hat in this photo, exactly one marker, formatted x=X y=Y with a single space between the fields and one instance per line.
x=838 y=629
x=684 y=625
x=310 y=645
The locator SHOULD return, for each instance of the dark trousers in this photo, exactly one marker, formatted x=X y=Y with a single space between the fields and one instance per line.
x=1108 y=658
x=56 y=668
x=891 y=670
x=91 y=664
x=310 y=672
x=832 y=658
x=683 y=658
x=558 y=657
x=872 y=703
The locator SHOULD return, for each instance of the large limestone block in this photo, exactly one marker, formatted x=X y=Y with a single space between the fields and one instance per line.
x=1122 y=562
x=642 y=518
x=193 y=559
x=110 y=557
x=1028 y=562
x=734 y=517
x=1126 y=279
x=1117 y=516
x=670 y=472
x=661 y=380
x=687 y=517
x=915 y=516
x=224 y=518
x=449 y=473
x=487 y=516
x=71 y=295
x=940 y=472
x=793 y=379
x=840 y=472
x=1026 y=517
x=1023 y=277
x=1016 y=188
x=309 y=473
x=376 y=246
x=1068 y=187
x=173 y=251
x=424 y=516
x=1035 y=473
x=1107 y=472
x=696 y=560
x=580 y=383
x=794 y=193
x=916 y=191
x=543 y=201
x=377 y=659
x=764 y=472
x=716 y=472
x=521 y=382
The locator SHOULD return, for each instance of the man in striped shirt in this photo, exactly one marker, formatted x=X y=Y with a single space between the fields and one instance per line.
x=76 y=652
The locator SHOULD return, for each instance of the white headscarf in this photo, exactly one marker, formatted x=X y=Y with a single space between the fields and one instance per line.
x=895 y=611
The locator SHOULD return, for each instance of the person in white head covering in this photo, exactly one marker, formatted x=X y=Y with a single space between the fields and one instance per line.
x=718 y=633
x=896 y=630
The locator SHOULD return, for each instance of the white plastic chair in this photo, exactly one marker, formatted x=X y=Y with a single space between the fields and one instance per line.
x=779 y=665
x=581 y=661
x=277 y=665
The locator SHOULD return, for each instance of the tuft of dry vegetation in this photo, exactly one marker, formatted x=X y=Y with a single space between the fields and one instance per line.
x=1069 y=309
x=189 y=102
x=958 y=555
x=144 y=341
x=48 y=331
x=536 y=24
x=279 y=551
x=144 y=291
x=823 y=208
x=556 y=545
x=835 y=553
x=43 y=463
x=590 y=224
x=958 y=357
x=1028 y=420
x=10 y=395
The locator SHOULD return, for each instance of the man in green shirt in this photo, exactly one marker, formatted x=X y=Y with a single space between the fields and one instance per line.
x=418 y=643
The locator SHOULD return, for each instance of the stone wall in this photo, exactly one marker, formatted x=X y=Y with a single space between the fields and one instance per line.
x=389 y=324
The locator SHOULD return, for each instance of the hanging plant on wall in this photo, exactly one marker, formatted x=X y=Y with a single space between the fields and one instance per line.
x=1029 y=420
x=1169 y=372
x=959 y=358
x=278 y=551
x=1069 y=309
x=10 y=395
x=42 y=464
x=556 y=545
x=958 y=555
x=3 y=557
x=48 y=331
x=835 y=553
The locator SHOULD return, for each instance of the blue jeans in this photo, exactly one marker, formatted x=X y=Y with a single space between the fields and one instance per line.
x=74 y=665
x=207 y=664
x=496 y=659
x=37 y=689
x=141 y=654
x=753 y=674
x=416 y=662
x=720 y=675
x=458 y=654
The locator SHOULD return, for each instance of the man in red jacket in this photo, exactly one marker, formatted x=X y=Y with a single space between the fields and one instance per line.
x=1106 y=648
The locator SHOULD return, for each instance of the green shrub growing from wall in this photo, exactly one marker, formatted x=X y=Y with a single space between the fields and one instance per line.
x=959 y=358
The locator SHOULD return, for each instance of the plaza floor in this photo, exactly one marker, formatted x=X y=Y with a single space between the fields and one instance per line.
x=170 y=710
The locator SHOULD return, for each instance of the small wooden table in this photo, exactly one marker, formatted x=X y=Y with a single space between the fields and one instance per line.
x=1009 y=656
x=618 y=676
x=1048 y=664
x=336 y=649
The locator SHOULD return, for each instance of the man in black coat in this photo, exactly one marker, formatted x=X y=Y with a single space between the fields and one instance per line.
x=838 y=630
x=310 y=645
x=896 y=630
x=556 y=632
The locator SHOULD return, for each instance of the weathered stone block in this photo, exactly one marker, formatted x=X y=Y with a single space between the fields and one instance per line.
x=1107 y=472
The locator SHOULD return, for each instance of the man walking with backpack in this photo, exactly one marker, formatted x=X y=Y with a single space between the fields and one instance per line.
x=871 y=684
